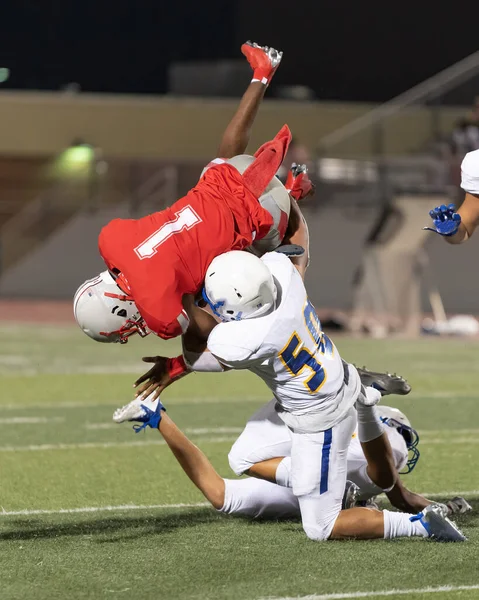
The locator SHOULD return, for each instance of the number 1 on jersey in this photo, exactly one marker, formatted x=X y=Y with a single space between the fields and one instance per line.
x=186 y=218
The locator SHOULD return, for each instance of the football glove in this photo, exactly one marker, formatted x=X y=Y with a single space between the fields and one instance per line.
x=263 y=60
x=298 y=183
x=445 y=220
x=458 y=506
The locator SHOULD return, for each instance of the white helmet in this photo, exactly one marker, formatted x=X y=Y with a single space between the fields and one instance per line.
x=393 y=417
x=238 y=285
x=389 y=412
x=105 y=313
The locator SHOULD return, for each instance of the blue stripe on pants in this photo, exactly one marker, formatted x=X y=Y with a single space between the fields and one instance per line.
x=326 y=451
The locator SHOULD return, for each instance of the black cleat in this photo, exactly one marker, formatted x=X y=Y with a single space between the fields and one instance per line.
x=384 y=382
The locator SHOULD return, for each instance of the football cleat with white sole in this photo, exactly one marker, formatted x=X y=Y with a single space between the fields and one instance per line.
x=439 y=528
x=144 y=411
x=386 y=383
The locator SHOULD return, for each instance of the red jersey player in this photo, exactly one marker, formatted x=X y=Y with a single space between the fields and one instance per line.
x=156 y=264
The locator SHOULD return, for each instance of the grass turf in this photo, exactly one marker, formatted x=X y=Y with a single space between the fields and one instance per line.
x=58 y=451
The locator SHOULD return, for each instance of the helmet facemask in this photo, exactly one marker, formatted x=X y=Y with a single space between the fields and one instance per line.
x=411 y=437
x=105 y=313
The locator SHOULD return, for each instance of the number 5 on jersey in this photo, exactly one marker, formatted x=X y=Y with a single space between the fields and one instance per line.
x=186 y=218
x=296 y=358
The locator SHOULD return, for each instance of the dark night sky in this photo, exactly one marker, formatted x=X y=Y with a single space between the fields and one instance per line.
x=349 y=50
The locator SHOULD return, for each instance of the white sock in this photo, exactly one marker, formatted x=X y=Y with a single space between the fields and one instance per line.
x=370 y=426
x=283 y=472
x=253 y=497
x=398 y=524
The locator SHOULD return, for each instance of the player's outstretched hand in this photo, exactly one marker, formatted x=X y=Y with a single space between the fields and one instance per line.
x=154 y=380
x=298 y=183
x=263 y=60
x=458 y=506
x=445 y=219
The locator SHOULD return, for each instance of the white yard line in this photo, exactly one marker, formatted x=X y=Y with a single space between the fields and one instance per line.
x=453 y=441
x=88 y=445
x=189 y=430
x=112 y=404
x=30 y=420
x=128 y=507
x=452 y=494
x=398 y=592
x=94 y=509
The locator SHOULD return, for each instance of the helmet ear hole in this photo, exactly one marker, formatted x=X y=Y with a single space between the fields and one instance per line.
x=122 y=313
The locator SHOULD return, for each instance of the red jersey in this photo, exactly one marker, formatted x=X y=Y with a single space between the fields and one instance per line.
x=165 y=255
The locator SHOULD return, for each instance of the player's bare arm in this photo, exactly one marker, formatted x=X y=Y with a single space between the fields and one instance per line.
x=264 y=61
x=165 y=370
x=457 y=227
x=297 y=233
x=469 y=213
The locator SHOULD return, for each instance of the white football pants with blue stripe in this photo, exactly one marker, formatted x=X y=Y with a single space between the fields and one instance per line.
x=319 y=466
x=318 y=471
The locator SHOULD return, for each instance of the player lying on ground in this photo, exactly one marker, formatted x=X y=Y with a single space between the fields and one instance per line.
x=269 y=326
x=258 y=498
x=156 y=264
x=457 y=227
x=266 y=438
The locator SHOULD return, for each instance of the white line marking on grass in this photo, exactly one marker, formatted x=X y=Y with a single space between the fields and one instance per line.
x=451 y=494
x=399 y=592
x=88 y=445
x=190 y=430
x=127 y=507
x=94 y=509
x=453 y=441
x=30 y=420
x=116 y=403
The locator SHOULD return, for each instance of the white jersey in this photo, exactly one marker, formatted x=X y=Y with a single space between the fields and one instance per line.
x=470 y=173
x=287 y=349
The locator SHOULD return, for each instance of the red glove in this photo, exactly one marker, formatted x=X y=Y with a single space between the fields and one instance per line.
x=298 y=183
x=176 y=367
x=263 y=60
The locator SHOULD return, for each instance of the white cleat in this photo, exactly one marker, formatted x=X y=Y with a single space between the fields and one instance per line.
x=135 y=410
x=439 y=528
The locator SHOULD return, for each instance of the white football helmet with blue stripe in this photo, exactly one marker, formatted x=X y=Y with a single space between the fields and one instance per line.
x=393 y=417
x=238 y=285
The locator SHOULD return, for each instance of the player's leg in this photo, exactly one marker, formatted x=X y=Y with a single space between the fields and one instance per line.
x=255 y=498
x=320 y=496
x=247 y=497
x=319 y=470
x=260 y=449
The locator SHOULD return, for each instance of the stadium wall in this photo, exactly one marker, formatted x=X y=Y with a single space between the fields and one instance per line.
x=43 y=123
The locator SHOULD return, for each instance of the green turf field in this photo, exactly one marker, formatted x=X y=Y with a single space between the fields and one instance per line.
x=59 y=450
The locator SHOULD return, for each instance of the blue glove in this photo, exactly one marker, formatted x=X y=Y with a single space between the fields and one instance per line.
x=446 y=220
